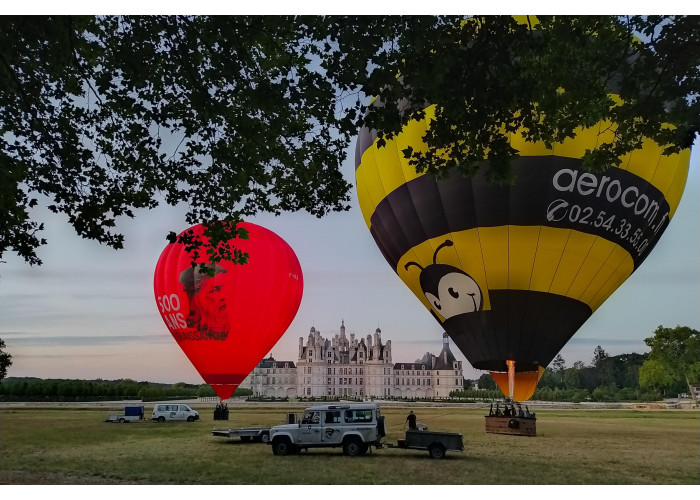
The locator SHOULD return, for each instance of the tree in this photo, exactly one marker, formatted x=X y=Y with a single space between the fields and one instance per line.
x=5 y=360
x=677 y=351
x=558 y=366
x=105 y=115
x=599 y=355
x=549 y=379
x=572 y=377
x=654 y=375
x=486 y=382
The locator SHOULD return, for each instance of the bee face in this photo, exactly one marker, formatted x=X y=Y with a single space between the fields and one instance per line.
x=450 y=291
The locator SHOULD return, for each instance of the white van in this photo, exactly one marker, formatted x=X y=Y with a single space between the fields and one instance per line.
x=171 y=411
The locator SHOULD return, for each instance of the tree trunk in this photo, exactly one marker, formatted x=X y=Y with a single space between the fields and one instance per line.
x=692 y=392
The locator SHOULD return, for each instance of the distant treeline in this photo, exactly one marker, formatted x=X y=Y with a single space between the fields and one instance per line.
x=37 y=389
x=608 y=378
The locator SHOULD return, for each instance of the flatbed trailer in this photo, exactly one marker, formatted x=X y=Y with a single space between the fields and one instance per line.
x=436 y=443
x=256 y=434
x=130 y=414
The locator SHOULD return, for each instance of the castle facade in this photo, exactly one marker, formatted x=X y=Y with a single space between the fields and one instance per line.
x=347 y=366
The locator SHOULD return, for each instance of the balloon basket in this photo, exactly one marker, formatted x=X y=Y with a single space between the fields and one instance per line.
x=514 y=426
x=221 y=413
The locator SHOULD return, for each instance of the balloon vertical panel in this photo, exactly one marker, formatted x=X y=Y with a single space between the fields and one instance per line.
x=226 y=323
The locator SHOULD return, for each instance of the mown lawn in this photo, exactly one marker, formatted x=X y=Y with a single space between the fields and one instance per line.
x=76 y=446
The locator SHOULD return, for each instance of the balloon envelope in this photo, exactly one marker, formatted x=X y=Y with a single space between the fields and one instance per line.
x=512 y=272
x=226 y=323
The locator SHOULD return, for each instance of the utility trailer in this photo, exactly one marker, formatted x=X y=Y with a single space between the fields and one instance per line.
x=436 y=443
x=131 y=414
x=256 y=434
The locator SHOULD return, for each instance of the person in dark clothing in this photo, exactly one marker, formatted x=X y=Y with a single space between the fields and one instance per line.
x=411 y=421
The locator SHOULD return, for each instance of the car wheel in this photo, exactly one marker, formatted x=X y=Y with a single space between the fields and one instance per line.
x=190 y=419
x=161 y=419
x=352 y=446
x=282 y=446
x=436 y=450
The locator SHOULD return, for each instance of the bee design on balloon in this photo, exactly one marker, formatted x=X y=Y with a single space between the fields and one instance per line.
x=449 y=290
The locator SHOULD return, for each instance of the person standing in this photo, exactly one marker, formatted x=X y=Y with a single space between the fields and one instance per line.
x=411 y=421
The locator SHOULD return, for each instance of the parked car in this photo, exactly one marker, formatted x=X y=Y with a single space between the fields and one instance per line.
x=354 y=427
x=172 y=411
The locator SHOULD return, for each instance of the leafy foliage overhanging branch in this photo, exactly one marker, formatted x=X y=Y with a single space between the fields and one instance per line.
x=237 y=115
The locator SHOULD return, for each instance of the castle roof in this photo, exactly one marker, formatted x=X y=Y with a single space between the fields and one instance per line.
x=446 y=359
x=273 y=363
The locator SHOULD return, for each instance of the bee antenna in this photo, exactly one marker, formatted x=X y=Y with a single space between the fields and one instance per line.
x=446 y=243
x=413 y=264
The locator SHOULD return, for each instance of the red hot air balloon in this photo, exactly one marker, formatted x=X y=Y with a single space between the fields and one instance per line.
x=227 y=322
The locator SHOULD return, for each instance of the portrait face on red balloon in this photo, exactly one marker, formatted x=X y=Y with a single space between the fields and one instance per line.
x=207 y=300
x=227 y=320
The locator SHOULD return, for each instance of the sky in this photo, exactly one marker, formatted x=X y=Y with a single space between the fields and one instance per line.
x=89 y=311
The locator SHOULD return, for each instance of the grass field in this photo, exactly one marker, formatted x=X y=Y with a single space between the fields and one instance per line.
x=76 y=446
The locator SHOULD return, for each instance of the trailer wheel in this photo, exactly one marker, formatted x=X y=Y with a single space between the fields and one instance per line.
x=282 y=446
x=436 y=450
x=121 y=420
x=161 y=419
x=265 y=436
x=352 y=446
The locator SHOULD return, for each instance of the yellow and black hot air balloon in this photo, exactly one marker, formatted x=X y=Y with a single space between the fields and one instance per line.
x=512 y=272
